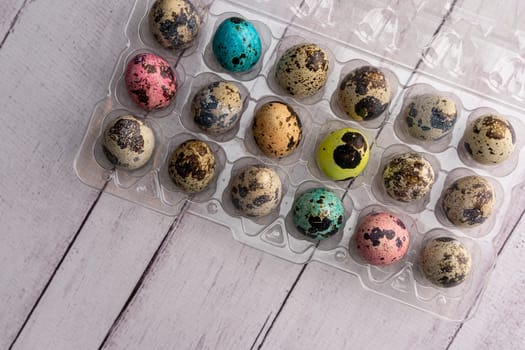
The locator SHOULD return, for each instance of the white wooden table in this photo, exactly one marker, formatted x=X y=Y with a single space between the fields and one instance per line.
x=81 y=269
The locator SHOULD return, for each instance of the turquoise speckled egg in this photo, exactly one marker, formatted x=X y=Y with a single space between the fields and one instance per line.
x=318 y=213
x=237 y=45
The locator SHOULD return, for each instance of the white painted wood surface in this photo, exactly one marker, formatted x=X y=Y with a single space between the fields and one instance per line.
x=128 y=281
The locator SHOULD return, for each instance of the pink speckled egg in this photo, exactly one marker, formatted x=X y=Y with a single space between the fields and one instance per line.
x=382 y=238
x=150 y=81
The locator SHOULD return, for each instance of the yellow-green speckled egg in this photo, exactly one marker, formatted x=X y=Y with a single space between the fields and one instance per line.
x=343 y=154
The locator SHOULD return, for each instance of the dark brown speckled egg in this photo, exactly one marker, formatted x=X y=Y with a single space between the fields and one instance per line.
x=445 y=262
x=469 y=201
x=364 y=93
x=302 y=70
x=490 y=139
x=174 y=23
x=192 y=166
x=256 y=191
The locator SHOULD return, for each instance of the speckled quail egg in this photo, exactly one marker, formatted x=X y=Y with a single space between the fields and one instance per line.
x=430 y=117
x=445 y=262
x=408 y=177
x=192 y=166
x=217 y=108
x=343 y=154
x=469 y=201
x=277 y=129
x=256 y=191
x=364 y=93
x=490 y=139
x=150 y=81
x=174 y=23
x=237 y=45
x=302 y=70
x=128 y=142
x=318 y=213
x=382 y=238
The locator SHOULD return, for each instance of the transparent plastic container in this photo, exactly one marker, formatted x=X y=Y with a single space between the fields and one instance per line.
x=467 y=61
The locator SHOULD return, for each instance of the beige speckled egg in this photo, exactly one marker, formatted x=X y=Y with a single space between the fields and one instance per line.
x=469 y=201
x=217 y=108
x=430 y=117
x=302 y=70
x=256 y=191
x=445 y=261
x=192 y=166
x=408 y=177
x=277 y=129
x=174 y=23
x=490 y=139
x=364 y=93
x=128 y=142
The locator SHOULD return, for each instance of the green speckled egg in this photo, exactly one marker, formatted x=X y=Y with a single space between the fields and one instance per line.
x=318 y=213
x=343 y=154
x=445 y=262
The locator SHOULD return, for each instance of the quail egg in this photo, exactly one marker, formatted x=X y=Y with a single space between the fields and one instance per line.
x=445 y=262
x=469 y=201
x=217 y=108
x=192 y=166
x=174 y=23
x=256 y=191
x=490 y=139
x=364 y=93
x=318 y=213
x=237 y=45
x=277 y=129
x=302 y=70
x=128 y=142
x=343 y=154
x=430 y=117
x=150 y=81
x=408 y=177
x=382 y=238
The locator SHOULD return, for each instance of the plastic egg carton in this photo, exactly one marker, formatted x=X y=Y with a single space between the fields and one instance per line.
x=385 y=34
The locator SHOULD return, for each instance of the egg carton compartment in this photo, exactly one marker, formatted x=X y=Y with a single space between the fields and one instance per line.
x=383 y=34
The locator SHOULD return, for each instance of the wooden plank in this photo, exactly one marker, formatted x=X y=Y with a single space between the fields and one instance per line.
x=498 y=322
x=205 y=291
x=53 y=72
x=96 y=278
x=9 y=13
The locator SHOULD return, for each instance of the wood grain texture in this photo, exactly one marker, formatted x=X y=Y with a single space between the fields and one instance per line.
x=206 y=291
x=94 y=281
x=54 y=69
x=329 y=306
x=10 y=10
x=498 y=322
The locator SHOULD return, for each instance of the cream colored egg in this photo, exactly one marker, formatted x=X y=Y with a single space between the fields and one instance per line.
x=128 y=142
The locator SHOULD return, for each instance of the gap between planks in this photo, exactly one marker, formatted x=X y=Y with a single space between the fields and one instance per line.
x=412 y=74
